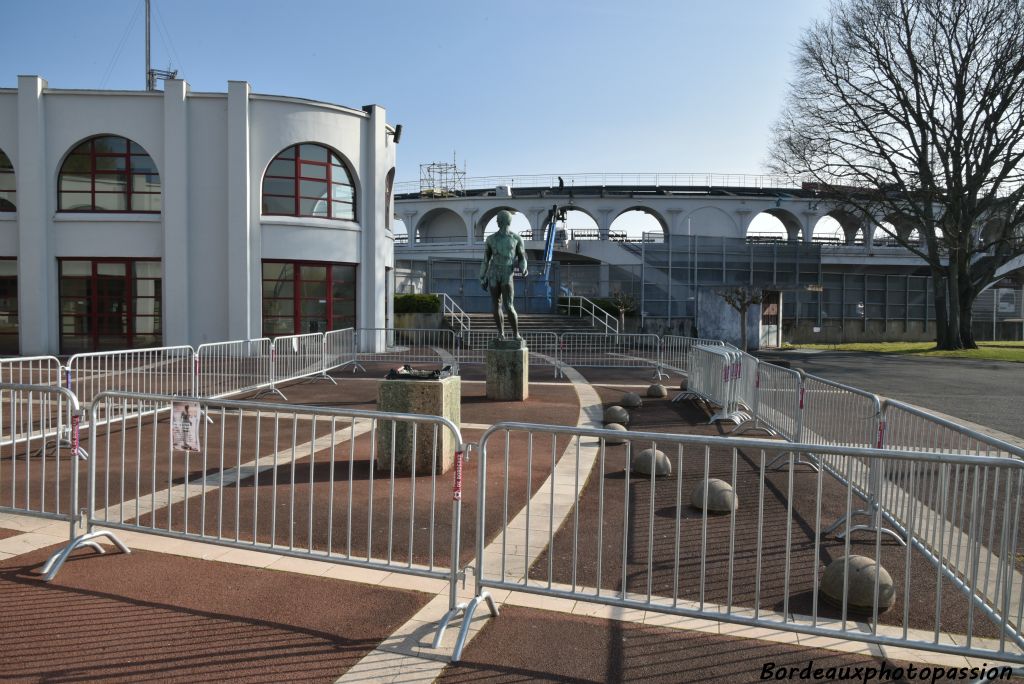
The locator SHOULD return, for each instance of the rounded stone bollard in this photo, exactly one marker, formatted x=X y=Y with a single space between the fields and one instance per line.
x=860 y=593
x=650 y=459
x=616 y=414
x=632 y=400
x=657 y=391
x=721 y=497
x=615 y=441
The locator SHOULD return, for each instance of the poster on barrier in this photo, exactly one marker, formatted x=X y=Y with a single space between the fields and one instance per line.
x=185 y=425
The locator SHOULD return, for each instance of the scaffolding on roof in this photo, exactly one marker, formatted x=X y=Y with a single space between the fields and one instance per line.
x=442 y=179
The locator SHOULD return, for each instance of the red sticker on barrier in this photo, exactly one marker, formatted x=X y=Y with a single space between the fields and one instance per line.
x=801 y=398
x=457 y=489
x=881 y=434
x=74 y=434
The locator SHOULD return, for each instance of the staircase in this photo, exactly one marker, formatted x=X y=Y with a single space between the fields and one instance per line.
x=530 y=323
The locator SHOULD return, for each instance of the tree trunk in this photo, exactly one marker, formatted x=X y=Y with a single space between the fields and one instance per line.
x=942 y=339
x=743 y=328
x=953 y=292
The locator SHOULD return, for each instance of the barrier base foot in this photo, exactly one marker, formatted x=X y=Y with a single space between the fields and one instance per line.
x=324 y=376
x=88 y=540
x=467 y=620
x=738 y=417
x=269 y=391
x=752 y=424
x=782 y=461
x=868 y=527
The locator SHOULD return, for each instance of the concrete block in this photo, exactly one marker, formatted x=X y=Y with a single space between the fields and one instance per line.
x=423 y=397
x=508 y=373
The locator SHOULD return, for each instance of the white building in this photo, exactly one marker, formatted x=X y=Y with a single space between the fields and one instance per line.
x=131 y=219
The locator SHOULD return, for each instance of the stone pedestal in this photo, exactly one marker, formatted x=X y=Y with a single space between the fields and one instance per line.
x=508 y=370
x=424 y=397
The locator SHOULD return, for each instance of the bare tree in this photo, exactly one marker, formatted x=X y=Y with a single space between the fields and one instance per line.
x=624 y=304
x=741 y=298
x=911 y=112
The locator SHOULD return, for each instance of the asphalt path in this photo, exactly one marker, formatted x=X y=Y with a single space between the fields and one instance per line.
x=989 y=393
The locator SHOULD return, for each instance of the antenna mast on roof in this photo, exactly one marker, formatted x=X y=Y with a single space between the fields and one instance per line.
x=153 y=74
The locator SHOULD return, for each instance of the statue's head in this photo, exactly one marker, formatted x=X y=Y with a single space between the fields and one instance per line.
x=504 y=218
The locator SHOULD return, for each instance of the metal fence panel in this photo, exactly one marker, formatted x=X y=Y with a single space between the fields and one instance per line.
x=339 y=349
x=778 y=400
x=644 y=542
x=166 y=370
x=39 y=450
x=399 y=346
x=597 y=350
x=297 y=356
x=471 y=346
x=675 y=351
x=301 y=481
x=226 y=368
x=32 y=370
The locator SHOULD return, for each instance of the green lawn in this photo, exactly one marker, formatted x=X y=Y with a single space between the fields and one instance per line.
x=989 y=351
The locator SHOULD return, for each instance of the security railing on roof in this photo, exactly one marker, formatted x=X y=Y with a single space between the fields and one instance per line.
x=570 y=180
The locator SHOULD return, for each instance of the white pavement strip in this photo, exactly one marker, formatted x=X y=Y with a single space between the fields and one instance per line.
x=135 y=508
x=407 y=656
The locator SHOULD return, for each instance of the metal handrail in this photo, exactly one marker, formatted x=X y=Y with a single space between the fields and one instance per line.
x=450 y=307
x=597 y=314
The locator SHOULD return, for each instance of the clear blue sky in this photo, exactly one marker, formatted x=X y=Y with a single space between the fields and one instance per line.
x=564 y=86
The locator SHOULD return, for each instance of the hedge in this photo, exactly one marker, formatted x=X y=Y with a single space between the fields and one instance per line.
x=417 y=303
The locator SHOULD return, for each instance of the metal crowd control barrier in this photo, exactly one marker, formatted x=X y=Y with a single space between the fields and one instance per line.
x=778 y=405
x=39 y=450
x=612 y=350
x=675 y=351
x=298 y=481
x=837 y=414
x=715 y=377
x=32 y=370
x=627 y=540
x=398 y=346
x=908 y=427
x=293 y=357
x=225 y=368
x=340 y=349
x=471 y=346
x=40 y=455
x=164 y=370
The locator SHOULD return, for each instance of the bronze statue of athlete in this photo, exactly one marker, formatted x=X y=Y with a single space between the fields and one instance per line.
x=503 y=251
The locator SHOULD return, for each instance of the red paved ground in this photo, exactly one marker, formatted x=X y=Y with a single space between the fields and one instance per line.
x=5 y=533
x=527 y=645
x=156 y=617
x=650 y=511
x=241 y=509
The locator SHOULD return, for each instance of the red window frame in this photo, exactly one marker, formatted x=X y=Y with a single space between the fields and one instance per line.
x=9 y=339
x=92 y=314
x=131 y=149
x=333 y=161
x=8 y=196
x=298 y=296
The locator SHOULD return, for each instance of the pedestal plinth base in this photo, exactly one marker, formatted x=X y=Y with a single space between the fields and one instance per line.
x=424 y=397
x=508 y=371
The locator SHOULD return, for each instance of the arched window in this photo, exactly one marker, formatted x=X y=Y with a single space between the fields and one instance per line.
x=7 y=187
x=309 y=180
x=109 y=173
x=389 y=209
